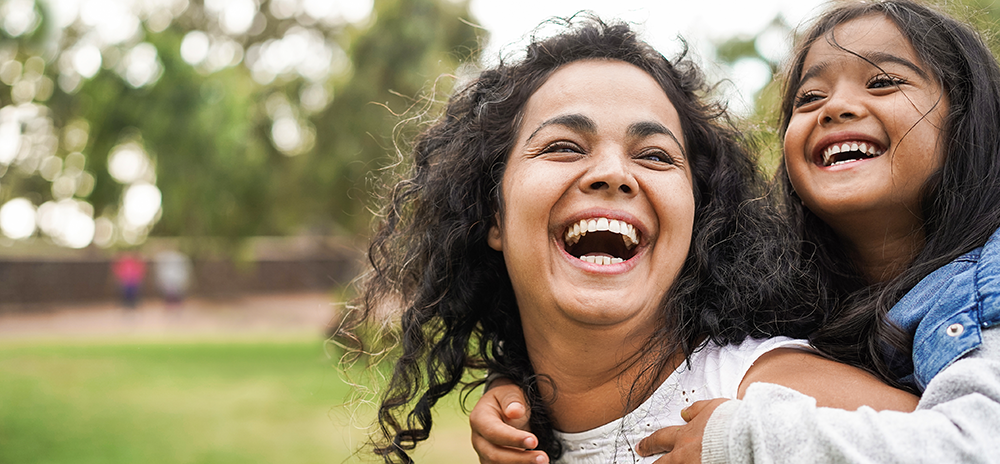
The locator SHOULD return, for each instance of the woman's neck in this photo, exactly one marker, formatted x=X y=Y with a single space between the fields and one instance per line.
x=594 y=376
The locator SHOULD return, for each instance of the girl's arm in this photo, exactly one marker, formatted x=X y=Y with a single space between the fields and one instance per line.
x=499 y=424
x=498 y=439
x=832 y=384
x=957 y=420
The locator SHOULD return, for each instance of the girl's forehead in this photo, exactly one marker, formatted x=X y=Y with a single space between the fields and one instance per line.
x=873 y=34
x=872 y=40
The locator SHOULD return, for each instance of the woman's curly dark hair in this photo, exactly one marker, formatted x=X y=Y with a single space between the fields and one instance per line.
x=430 y=251
x=960 y=203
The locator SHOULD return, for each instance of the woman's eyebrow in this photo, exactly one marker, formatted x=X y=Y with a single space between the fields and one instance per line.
x=646 y=128
x=577 y=122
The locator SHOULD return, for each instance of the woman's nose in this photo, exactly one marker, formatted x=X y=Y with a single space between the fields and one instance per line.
x=609 y=174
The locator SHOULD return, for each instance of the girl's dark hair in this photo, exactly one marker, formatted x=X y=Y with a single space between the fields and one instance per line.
x=960 y=203
x=430 y=253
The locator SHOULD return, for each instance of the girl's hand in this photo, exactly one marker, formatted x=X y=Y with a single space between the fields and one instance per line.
x=500 y=427
x=682 y=443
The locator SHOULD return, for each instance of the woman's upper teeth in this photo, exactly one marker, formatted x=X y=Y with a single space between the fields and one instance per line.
x=865 y=148
x=579 y=229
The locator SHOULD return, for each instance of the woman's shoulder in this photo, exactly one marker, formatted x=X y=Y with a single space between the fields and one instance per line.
x=721 y=368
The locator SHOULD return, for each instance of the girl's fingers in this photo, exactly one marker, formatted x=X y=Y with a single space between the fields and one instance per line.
x=500 y=419
x=494 y=431
x=501 y=455
x=660 y=441
x=690 y=412
x=500 y=427
x=515 y=413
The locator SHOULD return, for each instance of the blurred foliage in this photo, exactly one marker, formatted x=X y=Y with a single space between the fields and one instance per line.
x=239 y=118
x=249 y=117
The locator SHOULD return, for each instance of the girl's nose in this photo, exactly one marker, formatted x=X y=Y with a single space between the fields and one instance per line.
x=841 y=107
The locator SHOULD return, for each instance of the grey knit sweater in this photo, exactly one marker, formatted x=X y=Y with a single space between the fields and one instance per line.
x=957 y=421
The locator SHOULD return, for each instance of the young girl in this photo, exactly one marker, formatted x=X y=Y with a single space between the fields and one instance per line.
x=892 y=172
x=582 y=222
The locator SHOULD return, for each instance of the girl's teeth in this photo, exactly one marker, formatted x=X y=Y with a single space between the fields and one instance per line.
x=863 y=148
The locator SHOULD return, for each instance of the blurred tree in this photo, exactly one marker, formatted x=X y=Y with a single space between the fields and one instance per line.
x=221 y=118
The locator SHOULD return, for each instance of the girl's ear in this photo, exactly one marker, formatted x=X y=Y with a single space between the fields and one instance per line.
x=495 y=238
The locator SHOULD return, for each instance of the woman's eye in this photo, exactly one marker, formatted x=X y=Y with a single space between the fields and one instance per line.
x=882 y=81
x=656 y=156
x=806 y=98
x=563 y=147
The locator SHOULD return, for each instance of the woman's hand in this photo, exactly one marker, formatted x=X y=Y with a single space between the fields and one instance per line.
x=499 y=424
x=682 y=443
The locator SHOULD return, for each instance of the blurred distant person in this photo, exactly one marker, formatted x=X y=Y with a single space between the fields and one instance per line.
x=129 y=270
x=173 y=275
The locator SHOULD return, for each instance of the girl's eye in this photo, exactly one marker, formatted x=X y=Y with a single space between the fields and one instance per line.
x=806 y=98
x=882 y=81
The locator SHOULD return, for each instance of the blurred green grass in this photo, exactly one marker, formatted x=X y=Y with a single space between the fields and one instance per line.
x=173 y=402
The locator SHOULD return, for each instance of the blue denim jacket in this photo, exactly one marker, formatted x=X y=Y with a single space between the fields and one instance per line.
x=947 y=311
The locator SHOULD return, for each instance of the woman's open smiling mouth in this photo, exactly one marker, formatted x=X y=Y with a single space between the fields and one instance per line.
x=601 y=240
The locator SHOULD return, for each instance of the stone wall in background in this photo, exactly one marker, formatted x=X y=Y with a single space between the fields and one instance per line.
x=30 y=282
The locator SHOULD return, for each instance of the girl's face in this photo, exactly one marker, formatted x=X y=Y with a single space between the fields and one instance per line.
x=866 y=129
x=598 y=199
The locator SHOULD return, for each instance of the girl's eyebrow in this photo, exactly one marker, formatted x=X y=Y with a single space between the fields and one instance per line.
x=814 y=71
x=874 y=58
x=878 y=58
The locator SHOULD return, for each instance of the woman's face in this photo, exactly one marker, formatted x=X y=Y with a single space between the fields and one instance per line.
x=598 y=199
x=866 y=130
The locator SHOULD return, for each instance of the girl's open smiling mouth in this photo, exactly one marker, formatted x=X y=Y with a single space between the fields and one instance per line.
x=848 y=152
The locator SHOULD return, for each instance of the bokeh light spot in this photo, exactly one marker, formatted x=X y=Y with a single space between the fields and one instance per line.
x=194 y=47
x=87 y=60
x=19 y=17
x=141 y=204
x=17 y=218
x=128 y=163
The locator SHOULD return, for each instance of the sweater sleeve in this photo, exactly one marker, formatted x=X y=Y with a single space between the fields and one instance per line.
x=957 y=420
